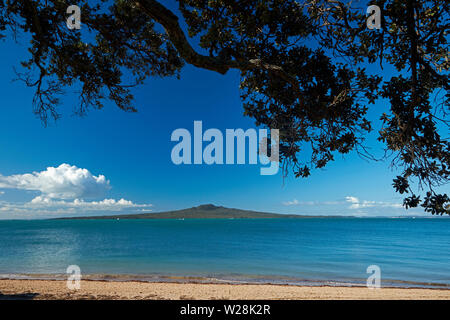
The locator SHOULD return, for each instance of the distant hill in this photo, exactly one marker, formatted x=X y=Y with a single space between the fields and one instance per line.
x=206 y=211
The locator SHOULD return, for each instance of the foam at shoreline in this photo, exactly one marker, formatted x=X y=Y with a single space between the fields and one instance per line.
x=227 y=279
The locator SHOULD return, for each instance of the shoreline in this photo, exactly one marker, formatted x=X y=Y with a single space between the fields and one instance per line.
x=236 y=279
x=140 y=290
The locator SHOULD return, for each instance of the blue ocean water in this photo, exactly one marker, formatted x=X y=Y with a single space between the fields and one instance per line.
x=333 y=251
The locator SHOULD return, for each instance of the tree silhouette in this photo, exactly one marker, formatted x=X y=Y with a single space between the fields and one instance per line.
x=302 y=66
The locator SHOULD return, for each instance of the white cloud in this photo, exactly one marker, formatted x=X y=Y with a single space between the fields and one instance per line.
x=64 y=191
x=349 y=205
x=355 y=203
x=46 y=206
x=358 y=204
x=106 y=204
x=294 y=202
x=63 y=182
x=351 y=199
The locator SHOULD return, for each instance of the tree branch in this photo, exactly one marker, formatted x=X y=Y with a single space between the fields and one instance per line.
x=169 y=21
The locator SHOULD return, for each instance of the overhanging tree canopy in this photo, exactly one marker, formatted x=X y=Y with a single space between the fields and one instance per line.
x=301 y=65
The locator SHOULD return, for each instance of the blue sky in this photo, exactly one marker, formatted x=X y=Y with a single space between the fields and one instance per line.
x=127 y=156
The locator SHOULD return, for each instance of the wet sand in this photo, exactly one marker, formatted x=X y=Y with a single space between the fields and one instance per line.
x=98 y=290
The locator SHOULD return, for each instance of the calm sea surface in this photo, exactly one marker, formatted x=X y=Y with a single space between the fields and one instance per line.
x=410 y=252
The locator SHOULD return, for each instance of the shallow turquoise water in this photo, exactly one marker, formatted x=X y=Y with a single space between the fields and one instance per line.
x=410 y=252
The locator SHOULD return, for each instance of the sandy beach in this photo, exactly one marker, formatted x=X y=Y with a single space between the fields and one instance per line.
x=97 y=290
